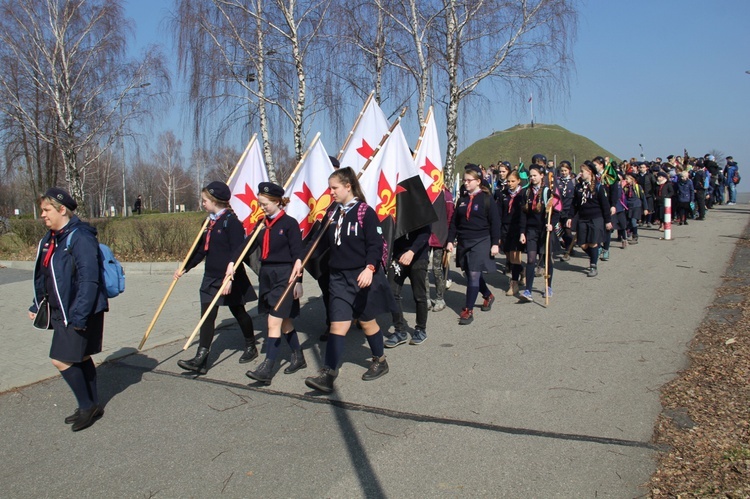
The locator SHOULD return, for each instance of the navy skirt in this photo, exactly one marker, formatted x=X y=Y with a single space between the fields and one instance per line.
x=620 y=221
x=274 y=279
x=473 y=255
x=590 y=231
x=69 y=345
x=350 y=302
x=242 y=291
x=510 y=238
x=536 y=240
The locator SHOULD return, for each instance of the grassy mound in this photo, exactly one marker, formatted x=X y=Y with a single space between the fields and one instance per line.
x=523 y=142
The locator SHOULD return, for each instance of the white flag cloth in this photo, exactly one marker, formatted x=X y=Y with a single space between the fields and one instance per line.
x=365 y=136
x=390 y=166
x=308 y=194
x=251 y=171
x=428 y=159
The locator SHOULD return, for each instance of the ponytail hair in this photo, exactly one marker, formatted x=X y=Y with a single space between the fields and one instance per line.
x=346 y=175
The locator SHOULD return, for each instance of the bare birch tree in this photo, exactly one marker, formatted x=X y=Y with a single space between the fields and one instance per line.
x=73 y=53
x=169 y=166
x=515 y=42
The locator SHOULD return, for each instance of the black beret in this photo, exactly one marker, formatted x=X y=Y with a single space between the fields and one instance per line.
x=565 y=162
x=471 y=167
x=62 y=197
x=219 y=190
x=506 y=163
x=663 y=174
x=335 y=162
x=271 y=189
x=539 y=157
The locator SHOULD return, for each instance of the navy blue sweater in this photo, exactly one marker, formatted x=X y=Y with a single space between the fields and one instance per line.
x=481 y=222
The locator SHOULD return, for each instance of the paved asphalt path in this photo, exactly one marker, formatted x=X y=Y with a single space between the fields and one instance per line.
x=525 y=402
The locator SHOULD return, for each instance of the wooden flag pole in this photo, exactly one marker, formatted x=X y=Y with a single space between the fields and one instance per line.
x=546 y=256
x=421 y=132
x=359 y=118
x=190 y=252
x=323 y=229
x=244 y=252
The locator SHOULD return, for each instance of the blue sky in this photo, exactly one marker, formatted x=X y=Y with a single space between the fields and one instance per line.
x=668 y=74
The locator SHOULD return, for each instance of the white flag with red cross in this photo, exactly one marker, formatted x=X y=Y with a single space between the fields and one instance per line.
x=365 y=136
x=251 y=171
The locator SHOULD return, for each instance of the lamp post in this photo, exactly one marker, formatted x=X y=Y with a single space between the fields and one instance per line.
x=122 y=144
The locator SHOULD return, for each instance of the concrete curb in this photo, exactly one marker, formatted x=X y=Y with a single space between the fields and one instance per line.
x=146 y=268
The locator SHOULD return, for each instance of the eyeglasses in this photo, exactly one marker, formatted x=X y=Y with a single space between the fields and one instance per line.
x=471 y=180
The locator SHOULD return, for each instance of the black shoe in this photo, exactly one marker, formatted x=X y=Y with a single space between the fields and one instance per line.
x=324 y=336
x=198 y=364
x=264 y=373
x=86 y=418
x=296 y=363
x=324 y=381
x=250 y=354
x=378 y=368
x=72 y=418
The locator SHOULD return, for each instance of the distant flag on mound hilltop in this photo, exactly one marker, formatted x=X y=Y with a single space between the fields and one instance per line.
x=429 y=161
x=365 y=136
x=251 y=171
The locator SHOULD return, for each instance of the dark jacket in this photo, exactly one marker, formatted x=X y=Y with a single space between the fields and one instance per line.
x=648 y=183
x=588 y=205
x=79 y=286
x=664 y=191
x=685 y=191
x=484 y=219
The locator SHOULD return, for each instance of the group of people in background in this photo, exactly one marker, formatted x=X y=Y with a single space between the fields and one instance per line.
x=542 y=211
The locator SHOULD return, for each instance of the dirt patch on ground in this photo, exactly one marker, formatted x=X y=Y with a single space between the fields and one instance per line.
x=705 y=424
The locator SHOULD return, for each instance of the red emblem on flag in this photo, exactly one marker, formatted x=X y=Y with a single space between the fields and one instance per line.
x=317 y=208
x=434 y=190
x=365 y=151
x=256 y=213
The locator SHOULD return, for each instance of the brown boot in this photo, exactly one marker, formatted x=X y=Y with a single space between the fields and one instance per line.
x=513 y=289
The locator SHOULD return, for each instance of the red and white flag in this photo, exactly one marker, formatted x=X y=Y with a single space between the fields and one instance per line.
x=308 y=194
x=365 y=136
x=429 y=161
x=251 y=171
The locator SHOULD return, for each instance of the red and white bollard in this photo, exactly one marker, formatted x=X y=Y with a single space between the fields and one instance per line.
x=668 y=219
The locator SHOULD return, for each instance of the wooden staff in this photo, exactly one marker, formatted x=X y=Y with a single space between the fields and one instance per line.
x=253 y=237
x=322 y=231
x=190 y=252
x=351 y=132
x=422 y=131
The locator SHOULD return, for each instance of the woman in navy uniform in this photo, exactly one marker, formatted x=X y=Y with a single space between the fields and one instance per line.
x=67 y=273
x=358 y=286
x=510 y=202
x=593 y=213
x=476 y=227
x=281 y=245
x=535 y=230
x=221 y=242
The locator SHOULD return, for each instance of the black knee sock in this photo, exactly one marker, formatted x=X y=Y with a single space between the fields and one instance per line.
x=89 y=372
x=376 y=344
x=530 y=267
x=77 y=383
x=245 y=322
x=515 y=271
x=593 y=255
x=272 y=348
x=207 y=329
x=334 y=350
x=293 y=340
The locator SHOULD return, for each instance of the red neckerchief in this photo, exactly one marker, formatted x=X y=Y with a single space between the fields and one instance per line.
x=512 y=198
x=208 y=233
x=535 y=198
x=50 y=246
x=471 y=200
x=267 y=235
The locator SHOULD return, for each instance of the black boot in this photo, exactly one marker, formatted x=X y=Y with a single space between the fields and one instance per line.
x=296 y=363
x=264 y=373
x=250 y=353
x=199 y=363
x=324 y=381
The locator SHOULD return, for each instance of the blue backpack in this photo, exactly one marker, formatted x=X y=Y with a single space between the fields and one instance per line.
x=111 y=269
